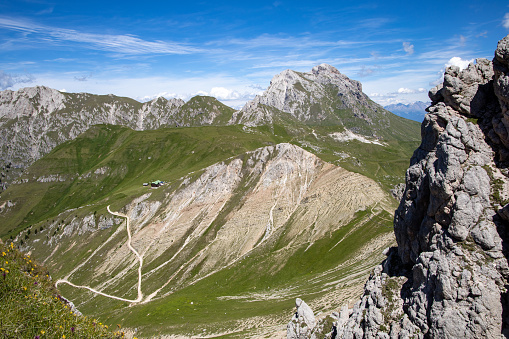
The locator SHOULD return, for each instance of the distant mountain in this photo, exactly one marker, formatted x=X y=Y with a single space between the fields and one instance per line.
x=323 y=96
x=35 y=120
x=414 y=111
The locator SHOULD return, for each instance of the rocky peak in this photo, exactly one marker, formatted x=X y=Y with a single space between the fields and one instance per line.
x=328 y=74
x=30 y=101
x=314 y=96
x=324 y=68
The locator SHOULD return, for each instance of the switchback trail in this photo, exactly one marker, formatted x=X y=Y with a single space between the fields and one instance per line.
x=140 y=258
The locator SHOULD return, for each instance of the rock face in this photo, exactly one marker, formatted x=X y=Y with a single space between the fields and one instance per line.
x=448 y=276
x=35 y=120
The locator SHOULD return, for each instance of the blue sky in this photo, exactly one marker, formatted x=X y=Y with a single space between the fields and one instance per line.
x=231 y=50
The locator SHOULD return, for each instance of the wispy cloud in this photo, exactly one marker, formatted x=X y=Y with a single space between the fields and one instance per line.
x=301 y=42
x=505 y=21
x=8 y=80
x=83 y=77
x=123 y=44
x=365 y=71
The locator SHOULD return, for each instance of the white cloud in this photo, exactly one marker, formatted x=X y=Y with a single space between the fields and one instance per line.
x=166 y=95
x=408 y=48
x=124 y=44
x=404 y=90
x=457 y=61
x=203 y=93
x=222 y=93
x=505 y=22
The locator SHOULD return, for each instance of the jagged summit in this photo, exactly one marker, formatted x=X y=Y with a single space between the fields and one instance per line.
x=321 y=95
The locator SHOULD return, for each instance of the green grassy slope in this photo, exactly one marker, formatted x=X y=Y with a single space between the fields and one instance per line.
x=30 y=306
x=130 y=157
x=108 y=164
x=199 y=110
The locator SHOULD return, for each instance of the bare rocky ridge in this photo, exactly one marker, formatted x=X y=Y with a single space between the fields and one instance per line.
x=449 y=275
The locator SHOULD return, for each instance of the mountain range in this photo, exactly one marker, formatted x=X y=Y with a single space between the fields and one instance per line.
x=287 y=197
x=413 y=111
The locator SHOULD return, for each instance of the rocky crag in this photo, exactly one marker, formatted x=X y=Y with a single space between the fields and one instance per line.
x=448 y=277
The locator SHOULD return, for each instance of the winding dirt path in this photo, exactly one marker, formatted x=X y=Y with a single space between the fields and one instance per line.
x=140 y=258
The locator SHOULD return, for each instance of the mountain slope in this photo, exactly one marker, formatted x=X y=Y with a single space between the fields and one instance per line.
x=267 y=222
x=251 y=215
x=35 y=120
x=309 y=108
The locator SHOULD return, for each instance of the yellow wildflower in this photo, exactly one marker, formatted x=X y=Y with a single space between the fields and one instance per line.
x=3 y=254
x=7 y=263
x=63 y=336
x=12 y=245
x=42 y=331
x=2 y=269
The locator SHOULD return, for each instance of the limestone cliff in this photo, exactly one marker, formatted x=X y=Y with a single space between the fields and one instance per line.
x=449 y=275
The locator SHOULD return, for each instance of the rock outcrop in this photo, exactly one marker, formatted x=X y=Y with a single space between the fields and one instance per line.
x=449 y=275
x=303 y=321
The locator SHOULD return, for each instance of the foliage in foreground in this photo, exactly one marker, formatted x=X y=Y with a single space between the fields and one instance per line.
x=30 y=306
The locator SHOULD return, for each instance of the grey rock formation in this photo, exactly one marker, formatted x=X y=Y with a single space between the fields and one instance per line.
x=397 y=191
x=302 y=323
x=448 y=276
